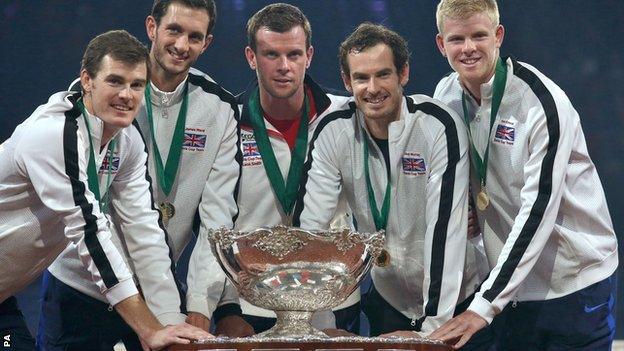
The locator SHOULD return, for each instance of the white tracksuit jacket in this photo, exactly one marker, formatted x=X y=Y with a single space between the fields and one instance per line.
x=547 y=231
x=426 y=231
x=205 y=182
x=257 y=203
x=45 y=201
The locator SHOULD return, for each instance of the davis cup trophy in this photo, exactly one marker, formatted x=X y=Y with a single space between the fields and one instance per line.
x=296 y=272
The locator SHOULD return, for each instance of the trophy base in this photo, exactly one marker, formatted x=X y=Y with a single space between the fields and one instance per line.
x=310 y=343
x=292 y=324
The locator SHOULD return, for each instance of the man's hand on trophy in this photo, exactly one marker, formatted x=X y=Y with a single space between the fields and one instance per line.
x=234 y=326
x=459 y=329
x=198 y=320
x=337 y=332
x=403 y=334
x=182 y=333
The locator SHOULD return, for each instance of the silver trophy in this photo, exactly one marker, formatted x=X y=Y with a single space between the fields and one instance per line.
x=296 y=272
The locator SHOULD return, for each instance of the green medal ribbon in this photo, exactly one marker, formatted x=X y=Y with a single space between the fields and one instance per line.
x=166 y=175
x=92 y=174
x=500 y=78
x=380 y=219
x=286 y=192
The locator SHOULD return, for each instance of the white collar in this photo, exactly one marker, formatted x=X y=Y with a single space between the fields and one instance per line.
x=164 y=98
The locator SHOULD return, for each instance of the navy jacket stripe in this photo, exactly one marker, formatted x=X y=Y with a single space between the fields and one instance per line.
x=446 y=201
x=545 y=183
x=344 y=114
x=70 y=146
x=213 y=88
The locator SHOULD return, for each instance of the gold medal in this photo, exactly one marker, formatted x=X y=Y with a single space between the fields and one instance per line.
x=168 y=210
x=483 y=200
x=383 y=260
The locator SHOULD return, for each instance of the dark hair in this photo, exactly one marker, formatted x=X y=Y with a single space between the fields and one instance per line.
x=278 y=18
x=160 y=7
x=367 y=35
x=119 y=44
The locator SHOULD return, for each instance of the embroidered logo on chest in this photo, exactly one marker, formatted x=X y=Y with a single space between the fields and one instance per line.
x=505 y=133
x=413 y=164
x=110 y=163
x=251 y=154
x=194 y=139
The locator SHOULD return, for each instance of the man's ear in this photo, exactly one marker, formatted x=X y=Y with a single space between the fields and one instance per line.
x=150 y=27
x=250 y=55
x=347 y=81
x=440 y=44
x=85 y=81
x=404 y=75
x=500 y=35
x=207 y=43
x=310 y=53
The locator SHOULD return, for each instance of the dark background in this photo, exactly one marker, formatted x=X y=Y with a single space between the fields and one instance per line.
x=577 y=43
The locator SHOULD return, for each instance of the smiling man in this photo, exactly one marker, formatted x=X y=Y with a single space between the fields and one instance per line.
x=279 y=113
x=546 y=225
x=51 y=192
x=189 y=125
x=402 y=164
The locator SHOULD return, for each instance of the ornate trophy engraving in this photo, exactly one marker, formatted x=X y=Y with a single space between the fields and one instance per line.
x=295 y=272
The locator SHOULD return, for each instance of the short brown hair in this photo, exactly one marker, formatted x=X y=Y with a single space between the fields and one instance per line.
x=119 y=44
x=462 y=9
x=367 y=35
x=278 y=18
x=160 y=7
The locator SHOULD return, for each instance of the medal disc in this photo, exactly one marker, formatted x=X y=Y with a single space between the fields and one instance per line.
x=167 y=209
x=383 y=260
x=483 y=200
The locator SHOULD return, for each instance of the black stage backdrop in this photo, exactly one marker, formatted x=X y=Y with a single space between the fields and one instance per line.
x=577 y=43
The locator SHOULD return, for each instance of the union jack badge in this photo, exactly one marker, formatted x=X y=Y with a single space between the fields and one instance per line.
x=413 y=164
x=194 y=141
x=505 y=134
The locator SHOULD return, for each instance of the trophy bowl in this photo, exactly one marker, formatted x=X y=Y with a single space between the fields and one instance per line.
x=295 y=272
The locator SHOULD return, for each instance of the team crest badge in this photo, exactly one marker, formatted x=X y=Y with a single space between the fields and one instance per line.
x=251 y=154
x=194 y=141
x=413 y=164
x=505 y=134
x=110 y=163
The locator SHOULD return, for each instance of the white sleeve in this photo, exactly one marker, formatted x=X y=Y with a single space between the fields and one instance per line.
x=131 y=197
x=217 y=209
x=447 y=223
x=551 y=141
x=323 y=186
x=56 y=164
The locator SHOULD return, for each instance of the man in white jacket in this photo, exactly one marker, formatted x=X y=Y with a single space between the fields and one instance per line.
x=546 y=227
x=279 y=113
x=402 y=162
x=189 y=125
x=51 y=194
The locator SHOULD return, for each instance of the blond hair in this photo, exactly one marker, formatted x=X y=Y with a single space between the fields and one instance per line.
x=462 y=9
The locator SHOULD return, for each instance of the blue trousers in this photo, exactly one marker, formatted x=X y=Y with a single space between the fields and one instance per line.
x=71 y=320
x=583 y=320
x=14 y=334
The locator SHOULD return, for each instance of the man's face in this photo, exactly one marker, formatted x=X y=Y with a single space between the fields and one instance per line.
x=471 y=46
x=280 y=61
x=115 y=93
x=375 y=83
x=179 y=39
